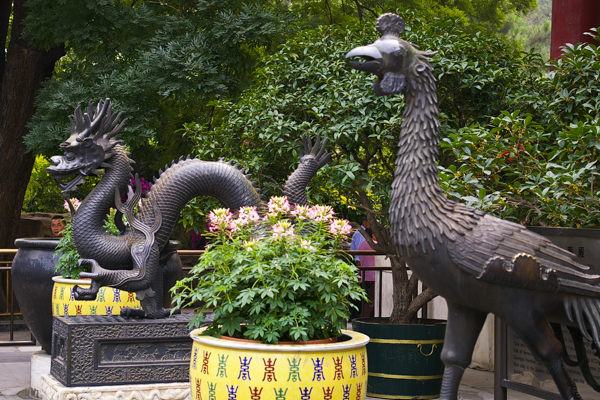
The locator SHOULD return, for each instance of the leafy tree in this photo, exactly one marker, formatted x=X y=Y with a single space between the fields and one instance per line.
x=43 y=194
x=490 y=12
x=308 y=88
x=160 y=62
x=532 y=30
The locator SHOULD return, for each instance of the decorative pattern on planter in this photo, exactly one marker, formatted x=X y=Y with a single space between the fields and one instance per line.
x=110 y=301
x=222 y=369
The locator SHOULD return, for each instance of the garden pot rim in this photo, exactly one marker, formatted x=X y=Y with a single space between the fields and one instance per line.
x=313 y=341
x=385 y=320
x=357 y=339
x=61 y=279
x=36 y=242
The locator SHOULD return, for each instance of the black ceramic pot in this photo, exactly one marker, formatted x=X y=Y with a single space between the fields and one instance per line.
x=32 y=272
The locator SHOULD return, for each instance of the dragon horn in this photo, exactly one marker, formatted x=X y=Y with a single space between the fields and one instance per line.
x=117 y=129
x=98 y=116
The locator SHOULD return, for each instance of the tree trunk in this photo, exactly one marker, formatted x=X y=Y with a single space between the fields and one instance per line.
x=403 y=293
x=25 y=69
x=5 y=10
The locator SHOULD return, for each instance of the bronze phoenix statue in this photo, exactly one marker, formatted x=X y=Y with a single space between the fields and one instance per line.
x=480 y=264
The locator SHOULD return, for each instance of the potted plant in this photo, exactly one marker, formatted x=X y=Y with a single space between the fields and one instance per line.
x=68 y=268
x=272 y=280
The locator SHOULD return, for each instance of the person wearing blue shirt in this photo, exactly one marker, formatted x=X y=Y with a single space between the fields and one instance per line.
x=358 y=238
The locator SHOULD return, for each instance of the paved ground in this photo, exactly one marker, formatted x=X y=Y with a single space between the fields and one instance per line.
x=15 y=370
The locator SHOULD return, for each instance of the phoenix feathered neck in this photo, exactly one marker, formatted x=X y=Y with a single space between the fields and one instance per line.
x=421 y=215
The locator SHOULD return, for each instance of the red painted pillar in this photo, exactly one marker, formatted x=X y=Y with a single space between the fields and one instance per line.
x=570 y=19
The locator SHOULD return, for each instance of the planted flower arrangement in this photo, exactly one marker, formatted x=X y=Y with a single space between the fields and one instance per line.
x=277 y=283
x=273 y=278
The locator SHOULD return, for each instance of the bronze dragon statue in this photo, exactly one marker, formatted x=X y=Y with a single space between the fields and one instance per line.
x=132 y=260
x=480 y=264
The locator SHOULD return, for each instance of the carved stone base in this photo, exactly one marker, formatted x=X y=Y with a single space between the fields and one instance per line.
x=53 y=390
x=111 y=350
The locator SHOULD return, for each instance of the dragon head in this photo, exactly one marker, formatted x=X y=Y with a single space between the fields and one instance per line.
x=390 y=58
x=90 y=146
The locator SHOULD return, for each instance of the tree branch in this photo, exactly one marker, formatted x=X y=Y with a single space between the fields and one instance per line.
x=423 y=298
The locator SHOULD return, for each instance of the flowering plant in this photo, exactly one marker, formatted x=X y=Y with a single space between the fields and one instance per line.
x=275 y=276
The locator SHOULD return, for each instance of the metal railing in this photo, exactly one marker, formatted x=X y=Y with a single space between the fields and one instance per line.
x=9 y=315
x=12 y=317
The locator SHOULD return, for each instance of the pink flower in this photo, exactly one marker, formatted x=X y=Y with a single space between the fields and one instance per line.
x=301 y=212
x=247 y=215
x=220 y=219
x=340 y=227
x=74 y=201
x=283 y=229
x=277 y=206
x=321 y=213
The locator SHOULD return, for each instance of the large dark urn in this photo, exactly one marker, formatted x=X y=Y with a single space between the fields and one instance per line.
x=32 y=272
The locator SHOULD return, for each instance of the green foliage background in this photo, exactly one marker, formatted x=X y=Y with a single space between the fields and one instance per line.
x=307 y=87
x=537 y=165
x=164 y=64
x=160 y=62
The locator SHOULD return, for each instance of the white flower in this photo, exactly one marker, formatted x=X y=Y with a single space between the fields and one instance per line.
x=250 y=245
x=306 y=244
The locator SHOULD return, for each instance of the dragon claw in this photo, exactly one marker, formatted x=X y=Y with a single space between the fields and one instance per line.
x=317 y=151
x=83 y=294
x=90 y=275
x=129 y=312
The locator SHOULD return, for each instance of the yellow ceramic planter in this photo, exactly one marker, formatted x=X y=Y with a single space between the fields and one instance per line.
x=109 y=301
x=226 y=370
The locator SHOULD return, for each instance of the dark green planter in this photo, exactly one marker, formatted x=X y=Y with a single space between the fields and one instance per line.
x=404 y=360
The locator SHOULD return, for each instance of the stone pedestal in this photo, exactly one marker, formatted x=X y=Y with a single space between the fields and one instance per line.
x=40 y=365
x=51 y=389
x=111 y=350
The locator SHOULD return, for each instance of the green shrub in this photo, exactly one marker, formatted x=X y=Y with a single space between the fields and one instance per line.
x=536 y=167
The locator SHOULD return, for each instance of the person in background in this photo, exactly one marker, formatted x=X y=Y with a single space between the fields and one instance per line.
x=57 y=225
x=368 y=281
x=358 y=238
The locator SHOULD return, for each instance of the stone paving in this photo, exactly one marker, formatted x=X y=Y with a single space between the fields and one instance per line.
x=15 y=378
